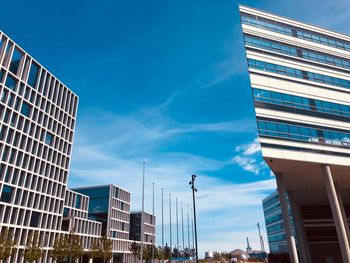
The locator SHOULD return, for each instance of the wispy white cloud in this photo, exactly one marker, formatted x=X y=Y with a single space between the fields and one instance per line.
x=110 y=148
x=248 y=155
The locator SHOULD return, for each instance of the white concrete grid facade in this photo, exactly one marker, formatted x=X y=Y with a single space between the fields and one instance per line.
x=37 y=121
x=300 y=79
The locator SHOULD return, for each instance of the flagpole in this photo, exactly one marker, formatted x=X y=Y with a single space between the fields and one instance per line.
x=177 y=229
x=153 y=223
x=162 y=228
x=188 y=229
x=143 y=209
x=183 y=236
x=171 y=246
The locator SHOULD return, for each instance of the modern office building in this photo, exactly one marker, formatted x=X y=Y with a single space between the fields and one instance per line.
x=276 y=235
x=300 y=81
x=37 y=123
x=149 y=228
x=110 y=205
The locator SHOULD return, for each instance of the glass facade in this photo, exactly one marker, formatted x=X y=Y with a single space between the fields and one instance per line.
x=297 y=73
x=294 y=31
x=300 y=102
x=303 y=133
x=298 y=52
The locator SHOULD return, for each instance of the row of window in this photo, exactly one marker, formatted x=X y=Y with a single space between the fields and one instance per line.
x=277 y=238
x=75 y=200
x=273 y=219
x=300 y=102
x=30 y=199
x=297 y=73
x=274 y=228
x=117 y=214
x=30 y=181
x=86 y=227
x=33 y=113
x=272 y=209
x=27 y=70
x=294 y=51
x=294 y=31
x=36 y=133
x=69 y=212
x=40 y=102
x=23 y=217
x=28 y=150
x=303 y=133
x=12 y=122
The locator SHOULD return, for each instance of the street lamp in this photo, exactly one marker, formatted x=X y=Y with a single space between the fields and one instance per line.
x=194 y=190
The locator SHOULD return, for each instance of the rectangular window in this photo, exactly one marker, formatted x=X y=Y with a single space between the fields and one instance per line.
x=48 y=138
x=78 y=202
x=6 y=195
x=10 y=82
x=33 y=75
x=34 y=220
x=25 y=109
x=16 y=59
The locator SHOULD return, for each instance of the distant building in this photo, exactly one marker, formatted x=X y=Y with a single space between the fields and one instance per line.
x=274 y=224
x=149 y=227
x=208 y=255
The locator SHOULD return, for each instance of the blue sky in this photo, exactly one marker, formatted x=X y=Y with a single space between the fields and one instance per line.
x=164 y=81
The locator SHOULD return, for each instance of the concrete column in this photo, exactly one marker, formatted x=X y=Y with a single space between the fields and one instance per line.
x=337 y=214
x=286 y=220
x=341 y=205
x=300 y=230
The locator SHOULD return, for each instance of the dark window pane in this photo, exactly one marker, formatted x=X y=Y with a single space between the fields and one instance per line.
x=33 y=75
x=34 y=220
x=6 y=195
x=48 y=138
x=25 y=109
x=16 y=59
x=10 y=82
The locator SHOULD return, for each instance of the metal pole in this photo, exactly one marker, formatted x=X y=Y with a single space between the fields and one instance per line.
x=143 y=209
x=194 y=212
x=188 y=229
x=182 y=220
x=153 y=224
x=162 y=228
x=171 y=241
x=177 y=229
x=192 y=237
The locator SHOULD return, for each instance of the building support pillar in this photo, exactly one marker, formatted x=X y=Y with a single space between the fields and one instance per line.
x=342 y=209
x=286 y=219
x=337 y=214
x=300 y=230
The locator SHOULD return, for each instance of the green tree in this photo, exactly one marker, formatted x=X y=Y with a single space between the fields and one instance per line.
x=135 y=250
x=147 y=252
x=105 y=248
x=7 y=244
x=75 y=248
x=167 y=252
x=32 y=251
x=94 y=250
x=60 y=248
x=160 y=254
